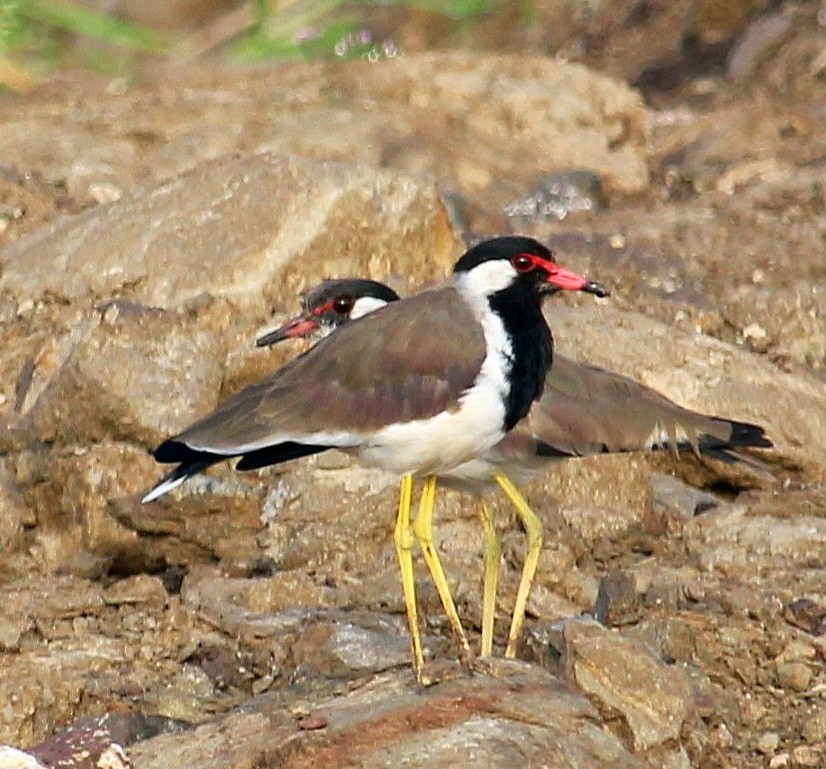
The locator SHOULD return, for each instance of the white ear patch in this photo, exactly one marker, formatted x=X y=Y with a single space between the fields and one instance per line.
x=365 y=305
x=487 y=278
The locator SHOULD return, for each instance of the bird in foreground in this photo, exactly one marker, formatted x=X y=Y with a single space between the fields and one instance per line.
x=416 y=388
x=584 y=409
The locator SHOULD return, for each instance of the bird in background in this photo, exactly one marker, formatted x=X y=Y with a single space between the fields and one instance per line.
x=417 y=387
x=583 y=410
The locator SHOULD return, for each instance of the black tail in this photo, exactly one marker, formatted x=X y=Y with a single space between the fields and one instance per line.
x=175 y=478
x=193 y=461
x=745 y=434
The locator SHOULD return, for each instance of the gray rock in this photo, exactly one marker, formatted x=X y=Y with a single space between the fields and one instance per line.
x=619 y=601
x=350 y=646
x=673 y=496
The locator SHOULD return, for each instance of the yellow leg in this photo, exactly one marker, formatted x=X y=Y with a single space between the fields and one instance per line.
x=404 y=548
x=535 y=531
x=423 y=531
x=493 y=554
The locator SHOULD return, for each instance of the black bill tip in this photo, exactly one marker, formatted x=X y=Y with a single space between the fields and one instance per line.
x=592 y=287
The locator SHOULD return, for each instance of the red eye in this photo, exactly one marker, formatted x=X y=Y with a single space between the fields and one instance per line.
x=343 y=304
x=523 y=263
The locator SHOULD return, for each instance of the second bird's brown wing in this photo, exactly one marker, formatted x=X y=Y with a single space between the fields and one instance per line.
x=408 y=361
x=586 y=409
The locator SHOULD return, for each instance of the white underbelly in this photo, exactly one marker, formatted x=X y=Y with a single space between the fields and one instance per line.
x=436 y=445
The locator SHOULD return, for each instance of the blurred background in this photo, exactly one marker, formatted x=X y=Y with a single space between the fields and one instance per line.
x=645 y=41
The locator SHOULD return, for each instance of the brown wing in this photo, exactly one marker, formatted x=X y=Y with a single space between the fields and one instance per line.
x=586 y=409
x=407 y=361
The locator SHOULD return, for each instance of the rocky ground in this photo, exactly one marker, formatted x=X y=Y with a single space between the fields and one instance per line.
x=150 y=229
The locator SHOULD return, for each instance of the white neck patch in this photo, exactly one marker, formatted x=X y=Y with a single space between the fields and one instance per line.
x=361 y=307
x=485 y=279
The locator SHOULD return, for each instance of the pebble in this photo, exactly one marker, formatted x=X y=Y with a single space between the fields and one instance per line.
x=768 y=743
x=814 y=728
x=794 y=675
x=12 y=758
x=796 y=651
x=806 y=755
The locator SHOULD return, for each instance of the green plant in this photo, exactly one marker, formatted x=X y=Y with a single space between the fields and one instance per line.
x=36 y=35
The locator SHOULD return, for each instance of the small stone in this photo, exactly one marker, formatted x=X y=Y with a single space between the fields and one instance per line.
x=807 y=755
x=768 y=743
x=617 y=241
x=780 y=761
x=814 y=727
x=312 y=723
x=12 y=758
x=754 y=331
x=105 y=192
x=806 y=614
x=794 y=675
x=619 y=600
x=672 y=495
x=797 y=651
x=260 y=685
x=138 y=589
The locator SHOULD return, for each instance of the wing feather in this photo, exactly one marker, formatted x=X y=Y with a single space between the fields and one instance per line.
x=407 y=361
x=586 y=409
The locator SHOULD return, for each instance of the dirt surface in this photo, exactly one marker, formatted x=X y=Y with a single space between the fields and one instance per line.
x=150 y=229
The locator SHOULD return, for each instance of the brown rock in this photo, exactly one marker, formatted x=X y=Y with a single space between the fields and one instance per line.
x=109 y=382
x=11 y=508
x=622 y=677
x=253 y=229
x=83 y=747
x=74 y=493
x=139 y=589
x=807 y=614
x=731 y=540
x=619 y=601
x=794 y=675
x=422 y=114
x=504 y=719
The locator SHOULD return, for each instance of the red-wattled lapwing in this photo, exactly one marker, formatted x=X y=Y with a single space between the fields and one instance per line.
x=583 y=410
x=415 y=388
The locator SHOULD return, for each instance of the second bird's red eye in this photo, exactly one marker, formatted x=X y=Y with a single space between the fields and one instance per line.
x=343 y=304
x=522 y=263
